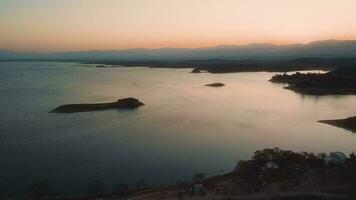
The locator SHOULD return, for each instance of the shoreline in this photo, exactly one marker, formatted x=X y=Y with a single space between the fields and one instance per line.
x=220 y=65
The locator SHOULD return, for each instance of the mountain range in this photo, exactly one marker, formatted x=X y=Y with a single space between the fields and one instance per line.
x=322 y=49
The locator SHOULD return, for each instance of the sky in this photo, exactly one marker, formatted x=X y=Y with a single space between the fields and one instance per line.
x=65 y=25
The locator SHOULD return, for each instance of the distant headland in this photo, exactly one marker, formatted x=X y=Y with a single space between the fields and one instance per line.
x=341 y=81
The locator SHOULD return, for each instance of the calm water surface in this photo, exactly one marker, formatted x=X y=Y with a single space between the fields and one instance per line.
x=184 y=128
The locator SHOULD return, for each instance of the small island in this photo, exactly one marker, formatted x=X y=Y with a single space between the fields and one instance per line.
x=348 y=123
x=101 y=66
x=196 y=70
x=215 y=85
x=341 y=81
x=126 y=103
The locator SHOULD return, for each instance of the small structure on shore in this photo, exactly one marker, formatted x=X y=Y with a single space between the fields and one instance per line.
x=196 y=189
x=335 y=158
x=269 y=165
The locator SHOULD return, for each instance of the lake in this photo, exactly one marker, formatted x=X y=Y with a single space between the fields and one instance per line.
x=184 y=128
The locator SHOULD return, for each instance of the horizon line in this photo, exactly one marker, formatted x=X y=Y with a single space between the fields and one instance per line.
x=190 y=48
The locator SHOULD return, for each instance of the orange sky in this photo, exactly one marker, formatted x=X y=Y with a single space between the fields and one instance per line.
x=60 y=25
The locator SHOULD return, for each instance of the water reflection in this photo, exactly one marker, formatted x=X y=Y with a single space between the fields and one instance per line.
x=184 y=128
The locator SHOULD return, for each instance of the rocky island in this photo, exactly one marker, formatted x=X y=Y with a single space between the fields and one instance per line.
x=348 y=123
x=126 y=103
x=341 y=81
x=101 y=66
x=215 y=85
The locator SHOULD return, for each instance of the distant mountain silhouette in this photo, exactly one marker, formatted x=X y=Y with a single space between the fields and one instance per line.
x=13 y=55
x=327 y=48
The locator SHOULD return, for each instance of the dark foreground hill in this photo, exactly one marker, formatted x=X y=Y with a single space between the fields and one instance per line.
x=273 y=174
x=270 y=174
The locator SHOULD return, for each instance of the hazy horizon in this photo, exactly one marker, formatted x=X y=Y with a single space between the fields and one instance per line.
x=55 y=26
x=191 y=48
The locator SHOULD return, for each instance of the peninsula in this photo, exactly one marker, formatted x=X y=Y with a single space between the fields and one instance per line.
x=341 y=81
x=348 y=123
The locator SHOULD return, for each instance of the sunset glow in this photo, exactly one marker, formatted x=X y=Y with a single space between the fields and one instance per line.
x=42 y=25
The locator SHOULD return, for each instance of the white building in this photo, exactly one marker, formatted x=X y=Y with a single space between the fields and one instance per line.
x=336 y=158
x=198 y=189
x=270 y=165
